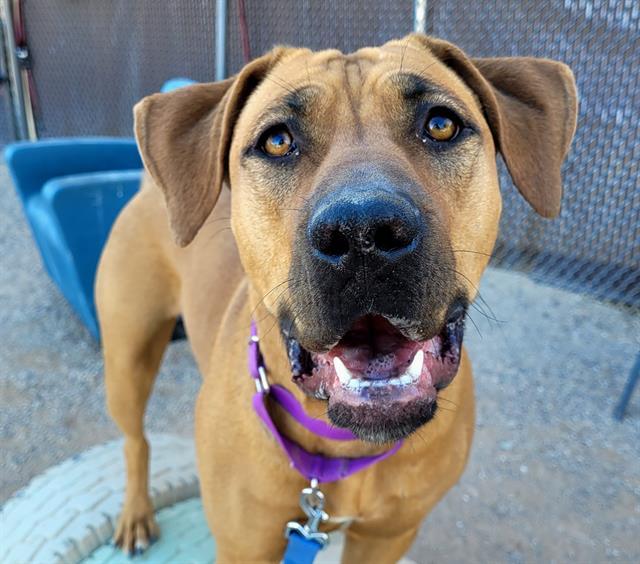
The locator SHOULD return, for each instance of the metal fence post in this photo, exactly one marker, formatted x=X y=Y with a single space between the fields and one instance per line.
x=19 y=112
x=420 y=16
x=221 y=39
x=6 y=83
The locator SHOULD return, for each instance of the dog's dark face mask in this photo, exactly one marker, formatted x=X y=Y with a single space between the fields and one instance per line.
x=365 y=202
x=375 y=325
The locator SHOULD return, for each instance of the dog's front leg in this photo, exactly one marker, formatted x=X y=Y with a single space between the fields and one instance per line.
x=248 y=490
x=136 y=298
x=245 y=528
x=266 y=544
x=363 y=544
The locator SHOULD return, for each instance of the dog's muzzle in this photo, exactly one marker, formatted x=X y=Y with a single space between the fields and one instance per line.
x=380 y=384
x=374 y=324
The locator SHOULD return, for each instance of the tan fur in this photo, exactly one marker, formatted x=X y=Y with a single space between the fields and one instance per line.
x=192 y=142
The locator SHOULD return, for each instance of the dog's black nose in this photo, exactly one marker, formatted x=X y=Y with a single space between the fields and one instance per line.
x=352 y=223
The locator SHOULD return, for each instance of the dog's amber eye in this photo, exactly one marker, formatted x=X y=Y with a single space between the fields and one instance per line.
x=441 y=126
x=277 y=142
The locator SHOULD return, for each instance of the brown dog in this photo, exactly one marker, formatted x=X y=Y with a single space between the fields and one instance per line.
x=363 y=207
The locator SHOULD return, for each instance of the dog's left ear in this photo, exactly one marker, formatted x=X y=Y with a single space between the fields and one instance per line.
x=184 y=138
x=531 y=107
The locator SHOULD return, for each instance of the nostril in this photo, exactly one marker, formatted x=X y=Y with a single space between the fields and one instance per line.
x=345 y=230
x=332 y=242
x=388 y=238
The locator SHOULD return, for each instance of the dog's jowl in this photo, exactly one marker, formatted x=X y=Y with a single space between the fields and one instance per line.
x=346 y=205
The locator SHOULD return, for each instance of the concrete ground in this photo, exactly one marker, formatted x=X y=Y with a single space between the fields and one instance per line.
x=552 y=478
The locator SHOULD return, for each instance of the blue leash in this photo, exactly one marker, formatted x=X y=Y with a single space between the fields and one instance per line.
x=301 y=550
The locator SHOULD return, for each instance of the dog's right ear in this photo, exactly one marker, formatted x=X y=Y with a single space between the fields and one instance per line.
x=184 y=138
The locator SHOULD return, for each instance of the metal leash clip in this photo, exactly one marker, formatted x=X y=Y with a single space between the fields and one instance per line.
x=262 y=383
x=312 y=503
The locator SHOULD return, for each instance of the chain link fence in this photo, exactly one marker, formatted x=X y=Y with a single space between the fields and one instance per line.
x=318 y=25
x=93 y=60
x=595 y=244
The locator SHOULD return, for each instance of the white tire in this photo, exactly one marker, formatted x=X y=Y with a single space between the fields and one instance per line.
x=71 y=509
x=67 y=514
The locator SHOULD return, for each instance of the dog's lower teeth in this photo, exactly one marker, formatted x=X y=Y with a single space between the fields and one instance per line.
x=411 y=375
x=355 y=384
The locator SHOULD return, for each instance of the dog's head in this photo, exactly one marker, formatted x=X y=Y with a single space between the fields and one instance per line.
x=365 y=201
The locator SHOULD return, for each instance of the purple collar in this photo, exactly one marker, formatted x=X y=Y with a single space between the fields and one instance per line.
x=311 y=466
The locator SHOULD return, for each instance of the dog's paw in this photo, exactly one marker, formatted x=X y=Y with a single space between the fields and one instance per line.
x=137 y=527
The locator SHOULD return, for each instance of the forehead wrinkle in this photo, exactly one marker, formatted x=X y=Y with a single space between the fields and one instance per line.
x=347 y=80
x=353 y=86
x=296 y=102
x=301 y=98
x=415 y=87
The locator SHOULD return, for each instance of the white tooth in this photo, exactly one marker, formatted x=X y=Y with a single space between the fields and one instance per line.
x=415 y=368
x=394 y=382
x=405 y=379
x=342 y=371
x=357 y=385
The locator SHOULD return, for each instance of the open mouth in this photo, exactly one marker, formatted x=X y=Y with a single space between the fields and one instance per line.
x=378 y=382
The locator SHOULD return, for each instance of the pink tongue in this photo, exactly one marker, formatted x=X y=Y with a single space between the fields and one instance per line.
x=373 y=349
x=360 y=361
x=373 y=335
